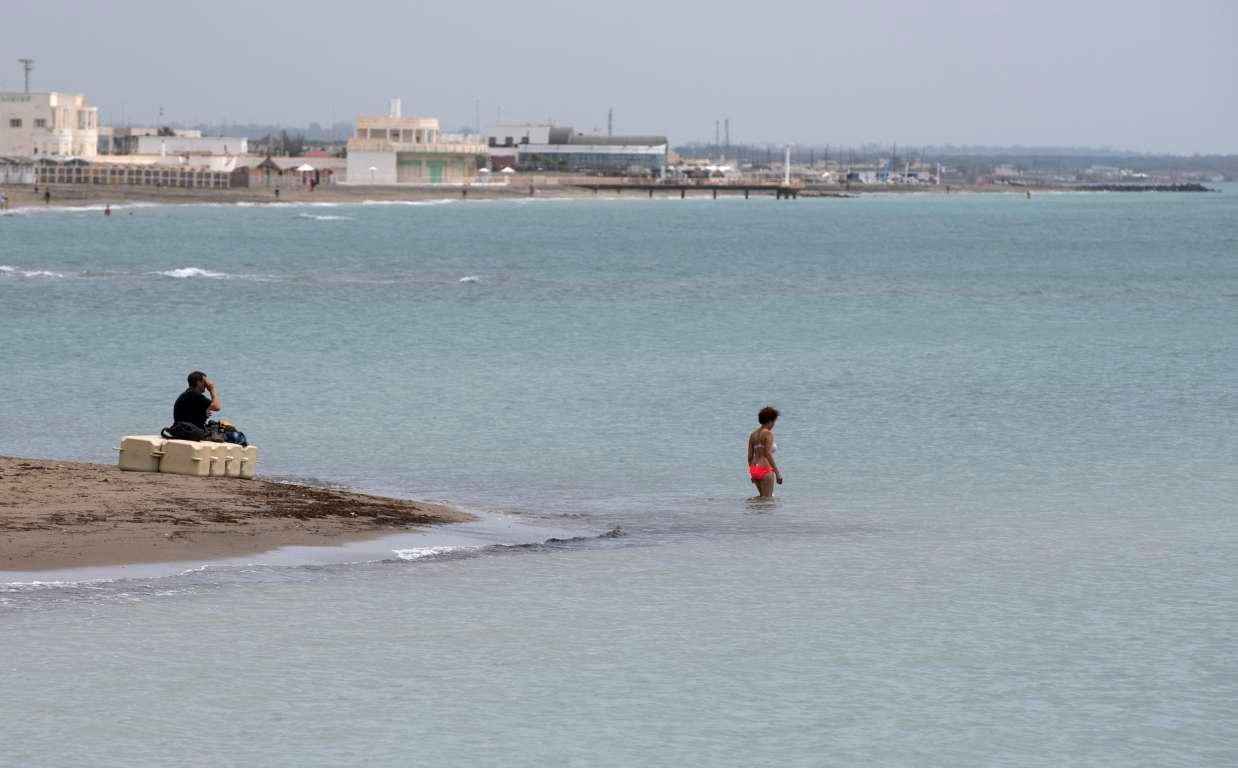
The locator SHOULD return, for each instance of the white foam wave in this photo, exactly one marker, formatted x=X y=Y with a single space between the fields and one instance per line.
x=316 y=217
x=5 y=269
x=417 y=553
x=273 y=204
x=407 y=202
x=471 y=279
x=91 y=208
x=188 y=272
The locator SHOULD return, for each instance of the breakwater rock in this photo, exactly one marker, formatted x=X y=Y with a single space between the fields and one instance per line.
x=1146 y=188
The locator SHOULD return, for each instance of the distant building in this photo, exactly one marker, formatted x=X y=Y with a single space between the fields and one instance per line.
x=211 y=173
x=410 y=150
x=53 y=124
x=173 y=141
x=192 y=145
x=547 y=147
x=17 y=170
x=123 y=140
x=1006 y=171
x=288 y=172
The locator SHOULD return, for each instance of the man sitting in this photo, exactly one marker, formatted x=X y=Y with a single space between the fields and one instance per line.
x=191 y=409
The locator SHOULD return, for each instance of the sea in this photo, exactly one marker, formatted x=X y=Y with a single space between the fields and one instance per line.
x=1008 y=533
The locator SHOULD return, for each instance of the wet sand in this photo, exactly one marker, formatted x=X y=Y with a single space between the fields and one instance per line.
x=79 y=195
x=60 y=514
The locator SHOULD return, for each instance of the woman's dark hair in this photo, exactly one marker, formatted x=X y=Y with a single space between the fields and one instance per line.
x=768 y=415
x=197 y=376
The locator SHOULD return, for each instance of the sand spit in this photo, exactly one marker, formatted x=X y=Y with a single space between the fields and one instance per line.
x=60 y=514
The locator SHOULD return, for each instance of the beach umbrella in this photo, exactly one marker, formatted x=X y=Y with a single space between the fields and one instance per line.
x=483 y=170
x=305 y=168
x=507 y=169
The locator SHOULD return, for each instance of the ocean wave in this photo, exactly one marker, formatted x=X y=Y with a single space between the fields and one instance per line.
x=5 y=269
x=316 y=217
x=418 y=553
x=406 y=202
x=89 y=208
x=552 y=543
x=471 y=279
x=188 y=272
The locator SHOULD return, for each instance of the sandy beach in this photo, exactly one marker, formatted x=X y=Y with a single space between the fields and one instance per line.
x=60 y=514
x=79 y=195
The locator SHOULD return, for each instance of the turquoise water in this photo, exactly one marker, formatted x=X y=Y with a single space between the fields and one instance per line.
x=1006 y=536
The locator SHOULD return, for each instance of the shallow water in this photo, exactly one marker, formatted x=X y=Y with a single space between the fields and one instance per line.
x=1006 y=535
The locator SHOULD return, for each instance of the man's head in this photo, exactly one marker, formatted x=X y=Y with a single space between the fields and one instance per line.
x=197 y=380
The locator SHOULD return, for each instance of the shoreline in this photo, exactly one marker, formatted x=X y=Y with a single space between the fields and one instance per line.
x=63 y=514
x=22 y=197
x=67 y=196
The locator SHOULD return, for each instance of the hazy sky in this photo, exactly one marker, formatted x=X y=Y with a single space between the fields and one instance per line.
x=1131 y=74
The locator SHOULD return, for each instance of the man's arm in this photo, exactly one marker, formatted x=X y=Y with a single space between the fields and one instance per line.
x=215 y=404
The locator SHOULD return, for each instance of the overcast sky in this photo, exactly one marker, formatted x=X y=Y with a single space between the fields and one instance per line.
x=1130 y=74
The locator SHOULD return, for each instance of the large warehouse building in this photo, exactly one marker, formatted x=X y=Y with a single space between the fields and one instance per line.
x=547 y=147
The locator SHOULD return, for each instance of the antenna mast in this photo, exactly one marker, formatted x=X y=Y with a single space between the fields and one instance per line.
x=27 y=65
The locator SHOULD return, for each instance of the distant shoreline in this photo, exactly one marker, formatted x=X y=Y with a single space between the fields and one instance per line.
x=63 y=514
x=23 y=197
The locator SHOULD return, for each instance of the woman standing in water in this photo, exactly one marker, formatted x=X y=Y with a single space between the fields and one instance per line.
x=761 y=449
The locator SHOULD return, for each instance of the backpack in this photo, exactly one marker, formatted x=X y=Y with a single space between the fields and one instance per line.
x=183 y=430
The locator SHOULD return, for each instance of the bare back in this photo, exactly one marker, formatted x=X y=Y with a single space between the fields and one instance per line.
x=760 y=446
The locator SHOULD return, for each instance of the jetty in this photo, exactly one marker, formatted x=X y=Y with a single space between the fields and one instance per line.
x=747 y=189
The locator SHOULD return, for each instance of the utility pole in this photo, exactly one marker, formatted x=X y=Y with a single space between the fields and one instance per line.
x=27 y=65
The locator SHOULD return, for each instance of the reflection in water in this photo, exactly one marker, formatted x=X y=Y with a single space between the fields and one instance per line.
x=761 y=504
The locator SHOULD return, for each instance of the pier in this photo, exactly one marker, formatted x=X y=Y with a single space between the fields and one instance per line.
x=779 y=191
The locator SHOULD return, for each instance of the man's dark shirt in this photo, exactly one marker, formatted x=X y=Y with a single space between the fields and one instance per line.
x=192 y=406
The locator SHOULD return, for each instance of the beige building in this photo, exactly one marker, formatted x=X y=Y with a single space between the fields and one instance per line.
x=411 y=150
x=54 y=124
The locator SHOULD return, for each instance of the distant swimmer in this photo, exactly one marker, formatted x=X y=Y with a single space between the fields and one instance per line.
x=762 y=467
x=1028 y=193
x=107 y=210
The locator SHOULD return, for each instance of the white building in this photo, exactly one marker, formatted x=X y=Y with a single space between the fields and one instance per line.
x=56 y=124
x=411 y=150
x=192 y=145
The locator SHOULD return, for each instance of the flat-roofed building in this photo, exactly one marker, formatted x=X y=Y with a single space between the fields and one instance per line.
x=192 y=145
x=53 y=124
x=411 y=150
x=547 y=147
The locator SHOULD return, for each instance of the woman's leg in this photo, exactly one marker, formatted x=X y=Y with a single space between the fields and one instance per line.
x=765 y=486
